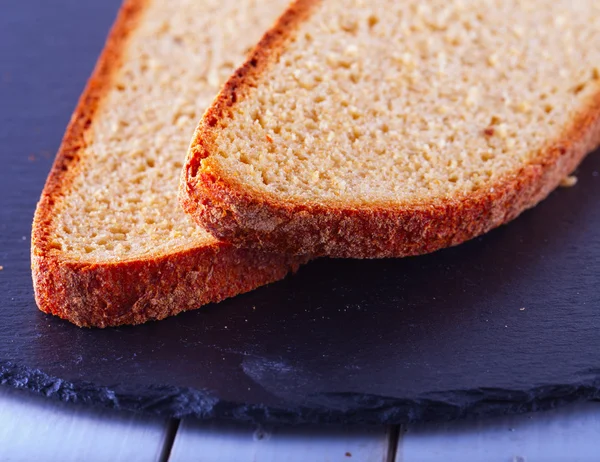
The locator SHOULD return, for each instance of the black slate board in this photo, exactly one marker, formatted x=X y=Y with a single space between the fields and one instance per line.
x=506 y=323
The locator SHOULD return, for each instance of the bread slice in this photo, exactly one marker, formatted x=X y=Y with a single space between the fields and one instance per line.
x=390 y=128
x=110 y=244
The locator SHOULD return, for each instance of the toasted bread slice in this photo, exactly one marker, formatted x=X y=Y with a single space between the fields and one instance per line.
x=110 y=244
x=391 y=128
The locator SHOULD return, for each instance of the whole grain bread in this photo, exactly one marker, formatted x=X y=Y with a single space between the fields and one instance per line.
x=110 y=245
x=382 y=128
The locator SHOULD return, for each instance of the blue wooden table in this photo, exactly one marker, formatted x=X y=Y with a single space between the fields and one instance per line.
x=36 y=428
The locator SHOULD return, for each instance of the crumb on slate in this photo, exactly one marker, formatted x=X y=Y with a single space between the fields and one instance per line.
x=569 y=181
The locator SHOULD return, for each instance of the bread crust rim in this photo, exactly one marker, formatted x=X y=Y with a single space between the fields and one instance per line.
x=231 y=210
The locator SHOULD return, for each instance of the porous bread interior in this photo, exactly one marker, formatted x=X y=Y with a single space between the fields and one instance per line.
x=405 y=102
x=123 y=204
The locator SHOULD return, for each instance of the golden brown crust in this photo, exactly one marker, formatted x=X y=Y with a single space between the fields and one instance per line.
x=130 y=292
x=245 y=217
x=133 y=292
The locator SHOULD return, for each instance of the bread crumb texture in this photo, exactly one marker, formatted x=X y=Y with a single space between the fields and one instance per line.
x=569 y=181
x=123 y=205
x=379 y=102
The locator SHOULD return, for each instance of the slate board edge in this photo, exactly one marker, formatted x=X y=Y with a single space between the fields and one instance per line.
x=346 y=408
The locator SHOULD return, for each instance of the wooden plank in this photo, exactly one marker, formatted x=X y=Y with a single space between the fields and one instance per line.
x=37 y=428
x=569 y=433
x=229 y=442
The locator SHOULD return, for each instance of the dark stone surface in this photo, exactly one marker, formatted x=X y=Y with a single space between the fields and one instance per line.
x=435 y=337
